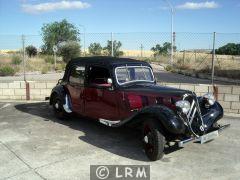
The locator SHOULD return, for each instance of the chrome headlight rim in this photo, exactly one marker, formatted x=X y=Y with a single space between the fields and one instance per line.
x=209 y=97
x=183 y=105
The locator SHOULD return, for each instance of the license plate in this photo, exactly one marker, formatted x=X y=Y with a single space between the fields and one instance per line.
x=208 y=137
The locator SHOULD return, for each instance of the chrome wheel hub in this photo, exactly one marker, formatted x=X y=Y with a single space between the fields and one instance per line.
x=145 y=139
x=56 y=105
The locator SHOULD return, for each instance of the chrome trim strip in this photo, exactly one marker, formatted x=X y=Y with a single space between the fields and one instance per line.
x=193 y=115
x=108 y=122
x=189 y=113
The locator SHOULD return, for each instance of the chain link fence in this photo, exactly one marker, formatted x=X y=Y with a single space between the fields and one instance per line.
x=192 y=53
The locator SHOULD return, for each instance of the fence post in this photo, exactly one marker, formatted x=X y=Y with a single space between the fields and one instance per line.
x=24 y=55
x=141 y=47
x=112 y=54
x=215 y=89
x=24 y=69
x=213 y=57
x=195 y=55
x=184 y=54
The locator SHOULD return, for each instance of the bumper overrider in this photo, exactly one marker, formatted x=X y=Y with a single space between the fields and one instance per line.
x=204 y=138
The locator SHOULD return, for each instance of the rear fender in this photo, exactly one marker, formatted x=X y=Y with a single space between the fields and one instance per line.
x=60 y=92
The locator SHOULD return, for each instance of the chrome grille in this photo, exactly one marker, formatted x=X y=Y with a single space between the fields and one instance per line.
x=194 y=117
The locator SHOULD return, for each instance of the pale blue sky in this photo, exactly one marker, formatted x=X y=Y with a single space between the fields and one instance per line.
x=27 y=16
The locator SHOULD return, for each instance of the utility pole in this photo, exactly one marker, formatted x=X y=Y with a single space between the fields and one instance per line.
x=172 y=14
x=112 y=53
x=141 y=47
x=24 y=58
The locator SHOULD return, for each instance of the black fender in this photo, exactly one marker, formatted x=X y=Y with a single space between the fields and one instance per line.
x=166 y=117
x=60 y=91
x=213 y=114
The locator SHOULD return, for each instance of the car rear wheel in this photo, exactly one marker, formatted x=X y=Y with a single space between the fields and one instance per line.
x=58 y=109
x=153 y=140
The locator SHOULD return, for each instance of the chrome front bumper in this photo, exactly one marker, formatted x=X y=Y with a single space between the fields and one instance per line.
x=204 y=138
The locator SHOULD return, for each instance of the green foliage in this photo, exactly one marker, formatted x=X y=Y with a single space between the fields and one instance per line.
x=69 y=50
x=229 y=49
x=56 y=33
x=95 y=49
x=16 y=60
x=7 y=70
x=45 y=69
x=60 y=67
x=169 y=68
x=49 y=59
x=162 y=50
x=116 y=48
x=31 y=51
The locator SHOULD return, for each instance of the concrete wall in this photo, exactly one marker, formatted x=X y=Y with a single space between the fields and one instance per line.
x=228 y=96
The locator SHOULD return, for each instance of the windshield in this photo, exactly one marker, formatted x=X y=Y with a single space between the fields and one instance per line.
x=127 y=74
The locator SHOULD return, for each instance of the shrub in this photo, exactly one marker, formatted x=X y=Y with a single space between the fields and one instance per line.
x=7 y=71
x=168 y=68
x=31 y=51
x=49 y=59
x=69 y=50
x=95 y=49
x=60 y=67
x=16 y=60
x=44 y=69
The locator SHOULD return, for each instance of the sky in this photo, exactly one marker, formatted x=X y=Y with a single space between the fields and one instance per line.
x=123 y=16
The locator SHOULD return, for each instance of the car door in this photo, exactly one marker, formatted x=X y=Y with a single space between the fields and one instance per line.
x=75 y=87
x=100 y=99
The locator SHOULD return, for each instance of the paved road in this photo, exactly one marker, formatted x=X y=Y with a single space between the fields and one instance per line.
x=165 y=76
x=160 y=74
x=35 y=145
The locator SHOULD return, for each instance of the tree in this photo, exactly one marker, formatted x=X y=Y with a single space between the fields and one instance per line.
x=69 y=50
x=229 y=49
x=31 y=51
x=95 y=49
x=162 y=50
x=56 y=33
x=116 y=48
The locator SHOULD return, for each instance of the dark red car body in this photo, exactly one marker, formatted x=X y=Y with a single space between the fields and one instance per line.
x=116 y=105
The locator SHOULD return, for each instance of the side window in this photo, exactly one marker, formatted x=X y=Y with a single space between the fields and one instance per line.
x=77 y=75
x=98 y=75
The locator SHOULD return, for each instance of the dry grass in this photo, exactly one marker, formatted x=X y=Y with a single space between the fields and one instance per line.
x=193 y=61
x=36 y=64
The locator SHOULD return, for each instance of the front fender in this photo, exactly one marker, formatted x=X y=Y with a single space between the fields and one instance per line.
x=212 y=115
x=166 y=117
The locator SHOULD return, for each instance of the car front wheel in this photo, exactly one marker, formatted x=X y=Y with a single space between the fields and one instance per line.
x=153 y=140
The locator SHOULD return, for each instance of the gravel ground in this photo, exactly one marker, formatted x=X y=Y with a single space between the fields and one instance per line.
x=35 y=145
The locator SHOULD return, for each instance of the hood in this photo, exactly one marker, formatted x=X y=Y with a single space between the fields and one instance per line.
x=156 y=89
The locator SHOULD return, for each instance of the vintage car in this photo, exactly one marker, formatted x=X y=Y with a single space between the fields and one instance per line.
x=123 y=91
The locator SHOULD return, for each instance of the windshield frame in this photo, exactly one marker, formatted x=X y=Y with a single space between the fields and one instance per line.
x=135 y=66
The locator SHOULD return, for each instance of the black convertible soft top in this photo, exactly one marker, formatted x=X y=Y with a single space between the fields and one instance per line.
x=106 y=61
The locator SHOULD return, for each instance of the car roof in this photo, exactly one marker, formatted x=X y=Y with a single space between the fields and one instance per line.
x=106 y=60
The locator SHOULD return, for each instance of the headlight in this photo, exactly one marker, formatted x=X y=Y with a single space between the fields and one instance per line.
x=184 y=105
x=209 y=98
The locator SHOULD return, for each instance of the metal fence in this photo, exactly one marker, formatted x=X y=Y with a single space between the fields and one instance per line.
x=193 y=52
